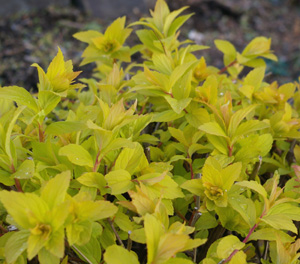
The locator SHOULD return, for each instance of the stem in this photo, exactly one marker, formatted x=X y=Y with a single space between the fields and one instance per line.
x=246 y=238
x=230 y=149
x=129 y=242
x=41 y=134
x=116 y=233
x=191 y=167
x=256 y=169
x=97 y=162
x=226 y=67
x=17 y=182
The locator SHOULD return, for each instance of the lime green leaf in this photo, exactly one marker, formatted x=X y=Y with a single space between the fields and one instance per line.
x=48 y=100
x=20 y=96
x=239 y=258
x=227 y=245
x=9 y=131
x=179 y=261
x=178 y=134
x=225 y=46
x=90 y=252
x=87 y=36
x=45 y=257
x=119 y=181
x=255 y=186
x=166 y=116
x=93 y=211
x=16 y=245
x=77 y=155
x=178 y=105
x=63 y=127
x=92 y=179
x=271 y=234
x=55 y=190
x=119 y=255
x=280 y=221
x=255 y=77
x=194 y=186
x=213 y=128
x=25 y=208
x=25 y=170
x=153 y=231
x=237 y=118
x=131 y=159
x=245 y=207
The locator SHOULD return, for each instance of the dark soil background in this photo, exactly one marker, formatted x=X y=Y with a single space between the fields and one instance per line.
x=33 y=34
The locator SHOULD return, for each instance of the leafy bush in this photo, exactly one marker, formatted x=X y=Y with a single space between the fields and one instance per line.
x=166 y=161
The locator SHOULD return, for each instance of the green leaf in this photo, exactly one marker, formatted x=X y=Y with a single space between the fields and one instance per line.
x=77 y=155
x=245 y=207
x=55 y=190
x=166 y=116
x=119 y=181
x=153 y=231
x=119 y=255
x=255 y=186
x=131 y=159
x=90 y=252
x=25 y=170
x=9 y=131
x=48 y=100
x=45 y=257
x=16 y=245
x=64 y=127
x=178 y=261
x=237 y=118
x=20 y=96
x=194 y=186
x=271 y=234
x=255 y=77
x=280 y=221
x=93 y=179
x=227 y=245
x=213 y=128
x=178 y=105
x=178 y=134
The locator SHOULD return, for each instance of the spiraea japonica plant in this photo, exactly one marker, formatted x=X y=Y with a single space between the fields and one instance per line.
x=164 y=161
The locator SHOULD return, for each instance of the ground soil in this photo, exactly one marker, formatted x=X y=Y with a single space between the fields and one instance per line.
x=34 y=37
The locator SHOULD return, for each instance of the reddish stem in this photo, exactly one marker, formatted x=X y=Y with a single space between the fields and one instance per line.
x=228 y=66
x=246 y=238
x=230 y=149
x=17 y=182
x=41 y=134
x=97 y=162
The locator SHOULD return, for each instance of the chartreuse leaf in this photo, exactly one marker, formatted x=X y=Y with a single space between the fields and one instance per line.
x=131 y=159
x=227 y=245
x=77 y=155
x=178 y=261
x=48 y=100
x=255 y=186
x=45 y=257
x=271 y=234
x=63 y=127
x=25 y=170
x=55 y=190
x=119 y=255
x=20 y=96
x=16 y=245
x=213 y=128
x=119 y=181
x=89 y=252
x=93 y=179
x=153 y=230
x=178 y=105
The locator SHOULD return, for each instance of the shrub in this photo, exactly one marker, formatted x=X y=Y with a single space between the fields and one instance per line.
x=167 y=161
